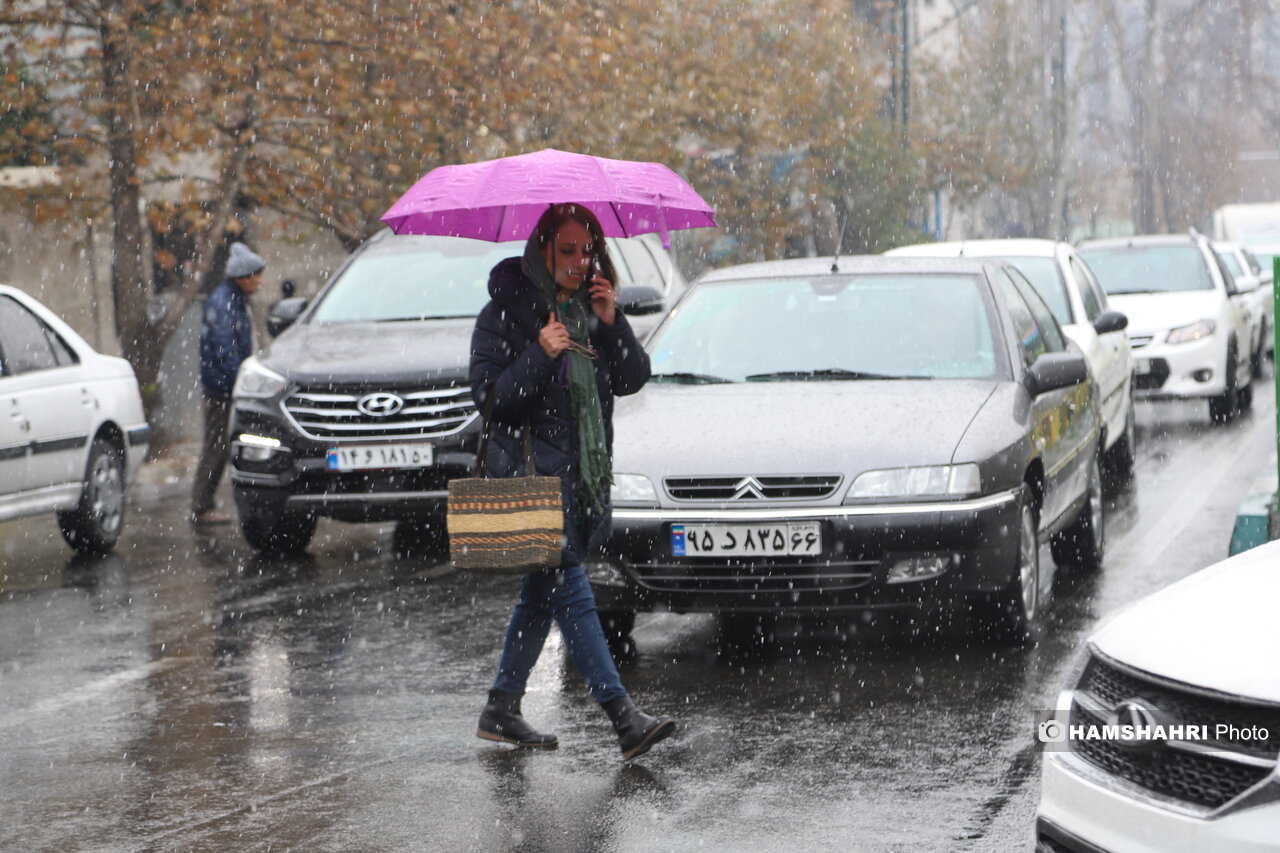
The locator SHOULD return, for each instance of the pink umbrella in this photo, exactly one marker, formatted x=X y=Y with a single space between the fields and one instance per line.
x=502 y=199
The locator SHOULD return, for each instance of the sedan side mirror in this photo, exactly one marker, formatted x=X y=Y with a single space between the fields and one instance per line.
x=283 y=313
x=1110 y=321
x=640 y=299
x=1055 y=370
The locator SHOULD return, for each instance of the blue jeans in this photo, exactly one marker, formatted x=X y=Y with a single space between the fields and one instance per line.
x=563 y=595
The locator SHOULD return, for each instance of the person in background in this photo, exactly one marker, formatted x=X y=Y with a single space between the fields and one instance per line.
x=552 y=350
x=226 y=340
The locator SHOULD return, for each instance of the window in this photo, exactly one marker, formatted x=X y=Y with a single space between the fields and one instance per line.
x=1054 y=342
x=1088 y=295
x=1030 y=337
x=25 y=341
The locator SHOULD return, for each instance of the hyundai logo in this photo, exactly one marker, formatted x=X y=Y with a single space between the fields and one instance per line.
x=380 y=405
x=1141 y=717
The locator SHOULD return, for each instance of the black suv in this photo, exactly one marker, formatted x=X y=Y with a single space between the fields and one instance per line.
x=360 y=410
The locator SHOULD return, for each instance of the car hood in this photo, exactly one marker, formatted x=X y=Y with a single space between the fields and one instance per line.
x=1215 y=629
x=385 y=353
x=1150 y=313
x=843 y=427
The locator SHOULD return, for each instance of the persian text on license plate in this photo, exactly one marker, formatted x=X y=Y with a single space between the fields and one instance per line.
x=370 y=456
x=786 y=539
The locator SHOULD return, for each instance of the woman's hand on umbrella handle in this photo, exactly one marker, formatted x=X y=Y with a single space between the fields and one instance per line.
x=554 y=337
x=604 y=300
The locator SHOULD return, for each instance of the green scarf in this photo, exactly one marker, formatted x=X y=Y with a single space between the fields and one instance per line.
x=594 y=470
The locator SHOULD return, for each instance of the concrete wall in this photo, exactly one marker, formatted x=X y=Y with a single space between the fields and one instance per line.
x=67 y=266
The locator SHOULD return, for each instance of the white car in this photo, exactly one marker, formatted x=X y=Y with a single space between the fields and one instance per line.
x=1197 y=660
x=1188 y=325
x=1253 y=280
x=1080 y=306
x=72 y=429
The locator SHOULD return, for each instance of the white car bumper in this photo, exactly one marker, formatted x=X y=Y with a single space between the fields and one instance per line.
x=1083 y=809
x=1196 y=369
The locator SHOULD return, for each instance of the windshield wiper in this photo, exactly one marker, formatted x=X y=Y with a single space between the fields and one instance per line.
x=825 y=373
x=688 y=378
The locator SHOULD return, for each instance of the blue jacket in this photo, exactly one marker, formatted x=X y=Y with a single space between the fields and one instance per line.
x=508 y=363
x=226 y=339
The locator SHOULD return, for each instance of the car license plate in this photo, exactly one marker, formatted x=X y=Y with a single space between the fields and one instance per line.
x=779 y=539
x=1142 y=366
x=370 y=456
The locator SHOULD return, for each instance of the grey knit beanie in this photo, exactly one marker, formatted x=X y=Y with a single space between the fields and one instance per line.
x=243 y=262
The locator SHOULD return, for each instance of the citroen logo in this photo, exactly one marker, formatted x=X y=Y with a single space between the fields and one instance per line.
x=380 y=405
x=748 y=489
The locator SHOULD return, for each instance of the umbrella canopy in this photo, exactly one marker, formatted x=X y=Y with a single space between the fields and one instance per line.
x=502 y=199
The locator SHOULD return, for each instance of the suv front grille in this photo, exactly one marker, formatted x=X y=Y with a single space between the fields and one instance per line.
x=794 y=487
x=1205 y=779
x=335 y=415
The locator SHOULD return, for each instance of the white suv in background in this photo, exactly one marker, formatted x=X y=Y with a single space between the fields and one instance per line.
x=1188 y=324
x=1198 y=660
x=72 y=430
x=1072 y=292
x=1253 y=280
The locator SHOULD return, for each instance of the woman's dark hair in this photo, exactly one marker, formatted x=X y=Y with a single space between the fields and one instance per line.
x=558 y=214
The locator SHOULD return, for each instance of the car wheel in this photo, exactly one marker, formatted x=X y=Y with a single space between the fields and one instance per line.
x=1260 y=353
x=1083 y=543
x=743 y=634
x=420 y=537
x=1223 y=408
x=1013 y=613
x=1124 y=453
x=290 y=532
x=618 y=625
x=95 y=524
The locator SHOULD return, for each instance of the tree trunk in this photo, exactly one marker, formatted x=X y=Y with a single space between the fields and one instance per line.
x=128 y=238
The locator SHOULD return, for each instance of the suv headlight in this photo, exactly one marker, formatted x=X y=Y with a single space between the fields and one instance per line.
x=1194 y=332
x=257 y=380
x=633 y=489
x=930 y=481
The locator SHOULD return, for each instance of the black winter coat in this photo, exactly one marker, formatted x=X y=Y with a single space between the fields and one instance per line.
x=508 y=363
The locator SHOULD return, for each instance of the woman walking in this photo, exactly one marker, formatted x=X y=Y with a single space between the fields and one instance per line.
x=551 y=351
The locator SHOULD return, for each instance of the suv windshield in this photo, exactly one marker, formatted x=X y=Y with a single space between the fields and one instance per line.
x=828 y=328
x=414 y=278
x=1149 y=269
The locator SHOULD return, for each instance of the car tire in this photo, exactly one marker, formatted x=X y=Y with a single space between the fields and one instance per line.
x=617 y=626
x=420 y=537
x=1012 y=615
x=1083 y=544
x=94 y=526
x=1260 y=353
x=1223 y=408
x=288 y=533
x=1124 y=453
x=743 y=635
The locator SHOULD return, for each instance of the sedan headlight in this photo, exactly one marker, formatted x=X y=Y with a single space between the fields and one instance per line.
x=930 y=481
x=1194 y=332
x=257 y=380
x=633 y=489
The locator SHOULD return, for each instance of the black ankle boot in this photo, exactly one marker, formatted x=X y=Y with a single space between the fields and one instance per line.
x=637 y=731
x=501 y=721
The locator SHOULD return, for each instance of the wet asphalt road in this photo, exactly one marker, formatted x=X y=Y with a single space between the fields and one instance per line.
x=186 y=694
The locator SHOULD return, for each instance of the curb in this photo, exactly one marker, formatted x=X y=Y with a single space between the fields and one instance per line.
x=1254 y=519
